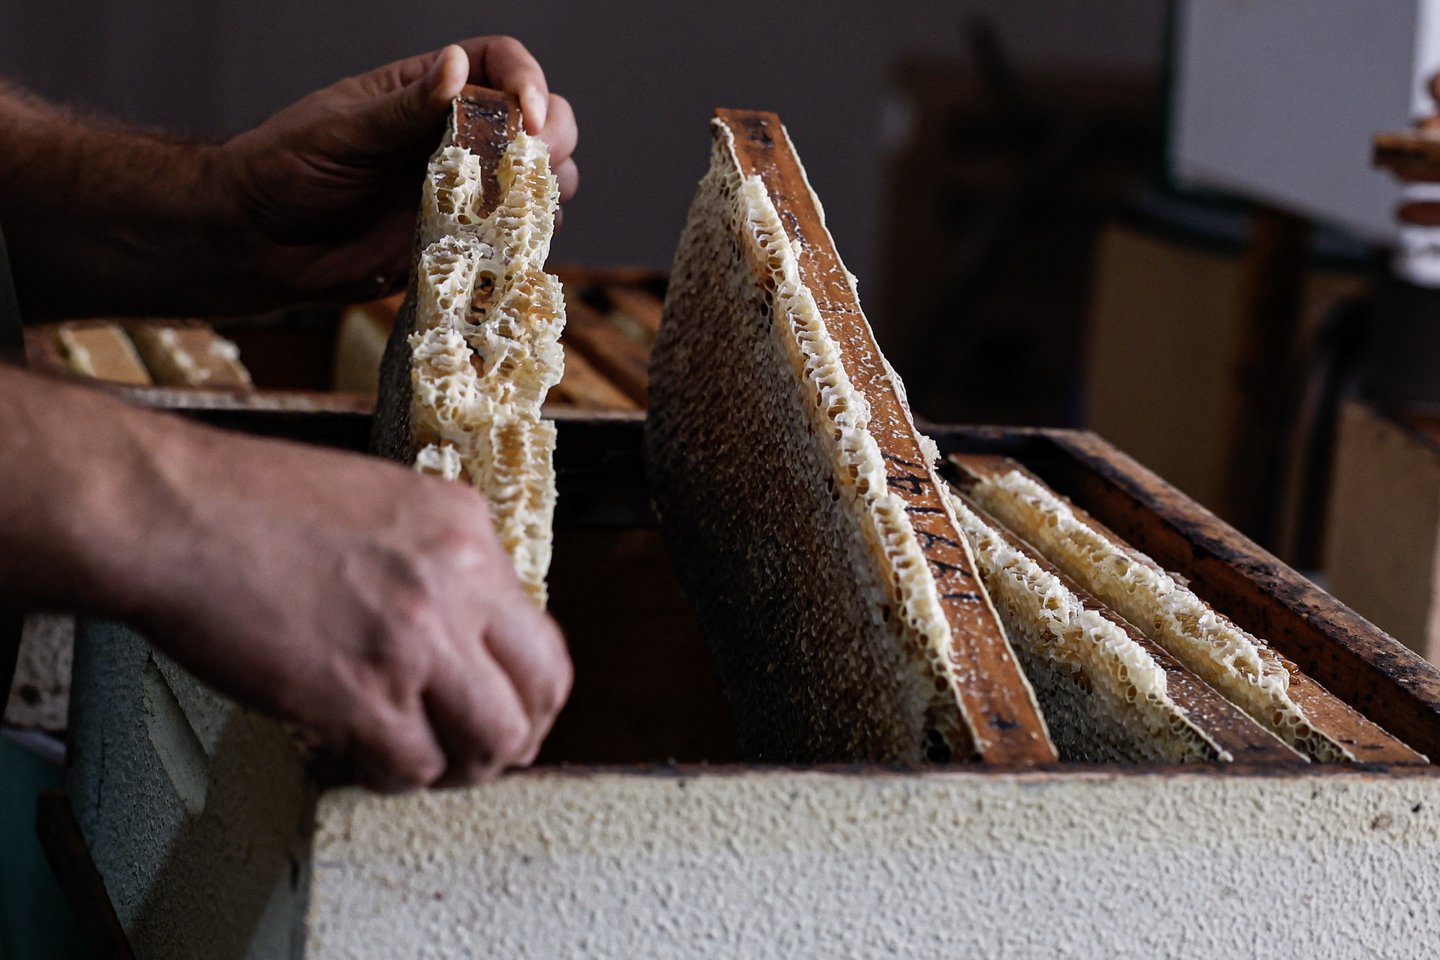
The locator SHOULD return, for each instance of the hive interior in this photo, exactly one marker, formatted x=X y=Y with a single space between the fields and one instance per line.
x=1235 y=663
x=802 y=506
x=779 y=478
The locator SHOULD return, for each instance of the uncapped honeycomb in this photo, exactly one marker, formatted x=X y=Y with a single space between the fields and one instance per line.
x=1105 y=697
x=485 y=343
x=829 y=623
x=1246 y=670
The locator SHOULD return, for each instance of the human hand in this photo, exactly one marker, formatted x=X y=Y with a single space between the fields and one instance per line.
x=326 y=191
x=370 y=604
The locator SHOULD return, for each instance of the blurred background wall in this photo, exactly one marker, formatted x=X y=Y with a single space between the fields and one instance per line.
x=643 y=77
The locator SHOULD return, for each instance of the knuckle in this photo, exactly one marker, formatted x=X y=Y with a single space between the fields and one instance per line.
x=557 y=689
x=416 y=771
x=469 y=547
x=409 y=631
x=509 y=738
x=508 y=45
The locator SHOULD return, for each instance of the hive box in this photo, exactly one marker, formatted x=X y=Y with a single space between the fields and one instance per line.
x=640 y=836
x=1382 y=531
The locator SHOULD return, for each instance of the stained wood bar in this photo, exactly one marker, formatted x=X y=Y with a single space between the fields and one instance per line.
x=615 y=356
x=585 y=388
x=642 y=307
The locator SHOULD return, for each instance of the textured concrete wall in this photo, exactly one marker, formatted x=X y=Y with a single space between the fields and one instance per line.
x=195 y=812
x=790 y=864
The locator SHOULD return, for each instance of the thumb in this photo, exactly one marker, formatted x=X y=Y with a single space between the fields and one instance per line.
x=409 y=117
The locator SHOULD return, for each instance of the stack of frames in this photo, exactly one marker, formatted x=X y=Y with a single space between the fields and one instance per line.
x=859 y=606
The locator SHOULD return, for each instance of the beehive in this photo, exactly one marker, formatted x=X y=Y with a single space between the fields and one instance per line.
x=214 y=840
x=832 y=577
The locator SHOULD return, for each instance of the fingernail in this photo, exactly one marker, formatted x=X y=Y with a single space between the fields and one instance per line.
x=435 y=77
x=533 y=107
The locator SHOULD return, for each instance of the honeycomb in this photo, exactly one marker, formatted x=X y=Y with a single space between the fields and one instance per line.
x=1241 y=667
x=485 y=342
x=1105 y=697
x=829 y=621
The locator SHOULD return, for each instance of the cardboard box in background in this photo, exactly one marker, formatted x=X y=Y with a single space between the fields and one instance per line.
x=1382 y=547
x=1163 y=335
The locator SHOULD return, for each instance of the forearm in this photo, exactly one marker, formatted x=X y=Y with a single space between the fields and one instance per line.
x=371 y=604
x=82 y=496
x=317 y=204
x=104 y=220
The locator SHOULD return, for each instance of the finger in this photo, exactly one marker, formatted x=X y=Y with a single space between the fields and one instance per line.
x=449 y=75
x=401 y=73
x=395 y=750
x=568 y=176
x=397 y=122
x=505 y=64
x=560 y=133
x=1435 y=87
x=479 y=719
x=529 y=647
x=376 y=261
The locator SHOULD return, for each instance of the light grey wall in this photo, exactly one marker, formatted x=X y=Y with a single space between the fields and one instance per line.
x=643 y=76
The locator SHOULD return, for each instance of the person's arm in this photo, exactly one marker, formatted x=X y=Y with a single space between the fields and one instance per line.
x=317 y=203
x=368 y=603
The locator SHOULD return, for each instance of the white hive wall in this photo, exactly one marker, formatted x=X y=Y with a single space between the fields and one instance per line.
x=807 y=864
x=195 y=811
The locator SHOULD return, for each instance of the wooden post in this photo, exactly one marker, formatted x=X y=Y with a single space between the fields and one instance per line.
x=1260 y=400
